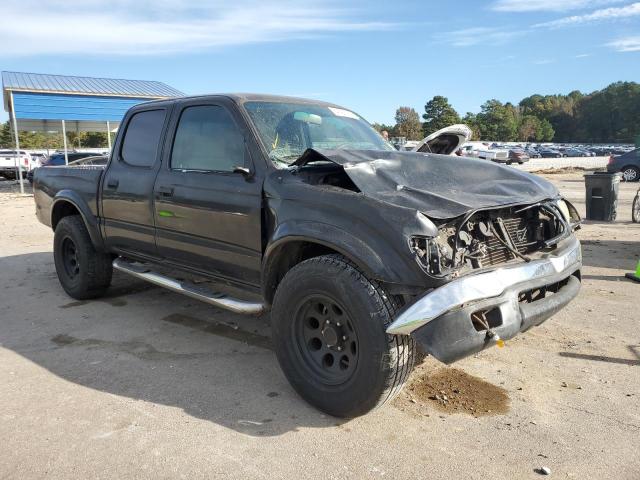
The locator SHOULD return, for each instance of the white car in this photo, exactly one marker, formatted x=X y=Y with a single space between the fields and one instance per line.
x=446 y=139
x=495 y=155
x=9 y=161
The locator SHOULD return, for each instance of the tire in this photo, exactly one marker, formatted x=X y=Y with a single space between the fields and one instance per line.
x=630 y=173
x=635 y=209
x=509 y=162
x=328 y=322
x=83 y=272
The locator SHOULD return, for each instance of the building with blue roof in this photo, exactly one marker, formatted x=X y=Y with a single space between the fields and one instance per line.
x=41 y=102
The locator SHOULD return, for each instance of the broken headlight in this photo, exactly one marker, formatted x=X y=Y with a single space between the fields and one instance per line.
x=569 y=213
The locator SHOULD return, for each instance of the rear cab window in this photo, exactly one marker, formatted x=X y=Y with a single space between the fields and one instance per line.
x=142 y=138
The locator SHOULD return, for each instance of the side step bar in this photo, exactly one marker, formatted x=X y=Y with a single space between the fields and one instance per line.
x=216 y=299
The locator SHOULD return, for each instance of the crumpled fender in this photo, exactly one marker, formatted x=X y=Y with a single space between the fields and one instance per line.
x=379 y=262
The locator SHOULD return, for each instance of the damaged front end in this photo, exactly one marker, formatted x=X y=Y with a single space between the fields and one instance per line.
x=508 y=269
x=493 y=237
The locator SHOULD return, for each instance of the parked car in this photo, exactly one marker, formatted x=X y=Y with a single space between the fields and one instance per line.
x=57 y=159
x=549 y=153
x=628 y=164
x=532 y=152
x=38 y=159
x=517 y=155
x=299 y=207
x=574 y=152
x=446 y=139
x=471 y=149
x=96 y=160
x=10 y=160
x=495 y=155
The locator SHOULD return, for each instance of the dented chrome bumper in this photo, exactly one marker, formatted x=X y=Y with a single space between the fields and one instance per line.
x=441 y=319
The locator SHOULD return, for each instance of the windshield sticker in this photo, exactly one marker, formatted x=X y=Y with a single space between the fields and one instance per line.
x=341 y=112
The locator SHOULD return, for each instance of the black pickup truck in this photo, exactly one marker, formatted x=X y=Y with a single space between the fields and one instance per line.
x=363 y=254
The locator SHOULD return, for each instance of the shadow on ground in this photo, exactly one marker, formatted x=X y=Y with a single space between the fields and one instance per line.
x=147 y=344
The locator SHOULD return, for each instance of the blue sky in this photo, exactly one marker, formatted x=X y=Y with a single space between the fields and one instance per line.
x=371 y=56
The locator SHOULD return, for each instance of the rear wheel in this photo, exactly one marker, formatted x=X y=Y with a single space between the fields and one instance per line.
x=328 y=322
x=83 y=272
x=630 y=174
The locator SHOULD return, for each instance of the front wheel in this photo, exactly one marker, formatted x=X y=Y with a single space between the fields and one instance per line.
x=635 y=210
x=83 y=272
x=328 y=322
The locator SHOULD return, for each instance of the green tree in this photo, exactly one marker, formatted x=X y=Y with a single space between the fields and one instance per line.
x=529 y=127
x=545 y=131
x=498 y=122
x=408 y=124
x=381 y=127
x=6 y=136
x=94 y=139
x=438 y=113
x=471 y=121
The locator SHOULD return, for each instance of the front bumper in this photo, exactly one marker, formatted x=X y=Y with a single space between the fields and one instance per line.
x=441 y=320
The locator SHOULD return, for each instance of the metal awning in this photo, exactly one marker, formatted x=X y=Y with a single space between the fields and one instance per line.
x=57 y=103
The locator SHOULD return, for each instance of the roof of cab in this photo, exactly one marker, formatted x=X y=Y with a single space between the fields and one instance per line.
x=240 y=98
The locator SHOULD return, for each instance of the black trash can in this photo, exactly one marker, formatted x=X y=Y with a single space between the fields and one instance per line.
x=602 y=195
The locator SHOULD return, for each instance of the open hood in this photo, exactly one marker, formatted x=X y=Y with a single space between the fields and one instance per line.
x=439 y=186
x=445 y=141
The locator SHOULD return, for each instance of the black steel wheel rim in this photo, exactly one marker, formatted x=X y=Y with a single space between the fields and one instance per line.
x=70 y=258
x=325 y=340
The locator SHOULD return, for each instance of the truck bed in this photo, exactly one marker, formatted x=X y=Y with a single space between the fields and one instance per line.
x=82 y=180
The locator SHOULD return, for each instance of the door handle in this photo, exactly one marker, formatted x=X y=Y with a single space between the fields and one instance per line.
x=113 y=183
x=165 y=191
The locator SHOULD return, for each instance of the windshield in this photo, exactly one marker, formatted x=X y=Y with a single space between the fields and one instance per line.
x=288 y=129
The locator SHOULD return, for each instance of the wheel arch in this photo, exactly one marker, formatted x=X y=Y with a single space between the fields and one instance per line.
x=67 y=203
x=287 y=252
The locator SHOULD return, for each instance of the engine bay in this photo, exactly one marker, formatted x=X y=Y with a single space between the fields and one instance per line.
x=491 y=237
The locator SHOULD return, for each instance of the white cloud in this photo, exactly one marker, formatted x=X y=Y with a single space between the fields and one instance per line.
x=130 y=27
x=547 y=5
x=478 y=35
x=612 y=13
x=626 y=44
x=583 y=55
x=544 y=61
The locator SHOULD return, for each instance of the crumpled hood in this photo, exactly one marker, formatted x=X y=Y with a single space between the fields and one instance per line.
x=440 y=186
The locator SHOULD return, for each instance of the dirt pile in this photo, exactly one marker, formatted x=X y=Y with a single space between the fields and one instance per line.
x=451 y=390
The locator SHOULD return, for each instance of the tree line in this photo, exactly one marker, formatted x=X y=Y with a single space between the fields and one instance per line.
x=610 y=115
x=52 y=141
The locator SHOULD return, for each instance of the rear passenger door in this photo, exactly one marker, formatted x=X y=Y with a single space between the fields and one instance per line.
x=127 y=185
x=208 y=214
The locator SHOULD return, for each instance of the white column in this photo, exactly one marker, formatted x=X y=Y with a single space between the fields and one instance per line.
x=64 y=139
x=15 y=132
x=109 y=136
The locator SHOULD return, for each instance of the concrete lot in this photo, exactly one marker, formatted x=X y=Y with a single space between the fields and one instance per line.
x=149 y=384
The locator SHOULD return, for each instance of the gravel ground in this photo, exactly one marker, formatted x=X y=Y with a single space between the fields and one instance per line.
x=145 y=383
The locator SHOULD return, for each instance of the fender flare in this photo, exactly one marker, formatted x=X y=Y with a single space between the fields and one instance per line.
x=89 y=219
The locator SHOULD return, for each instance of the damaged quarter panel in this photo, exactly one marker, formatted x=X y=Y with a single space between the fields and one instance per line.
x=373 y=234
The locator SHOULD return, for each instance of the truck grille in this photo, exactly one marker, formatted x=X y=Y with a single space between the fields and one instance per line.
x=517 y=227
